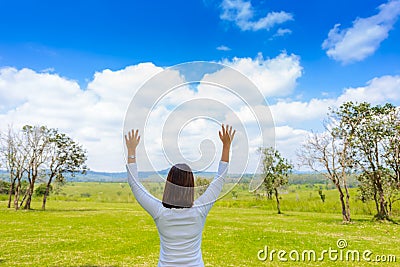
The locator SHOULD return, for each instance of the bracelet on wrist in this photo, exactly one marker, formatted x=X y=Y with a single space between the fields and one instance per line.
x=132 y=157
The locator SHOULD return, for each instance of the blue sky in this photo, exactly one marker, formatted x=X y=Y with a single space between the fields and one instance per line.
x=78 y=38
x=316 y=53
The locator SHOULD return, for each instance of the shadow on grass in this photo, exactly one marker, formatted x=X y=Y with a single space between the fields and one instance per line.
x=61 y=210
x=71 y=210
x=372 y=220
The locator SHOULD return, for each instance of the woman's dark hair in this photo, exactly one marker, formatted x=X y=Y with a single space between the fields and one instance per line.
x=179 y=187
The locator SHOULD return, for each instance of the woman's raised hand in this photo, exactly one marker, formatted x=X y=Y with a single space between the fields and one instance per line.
x=132 y=140
x=226 y=135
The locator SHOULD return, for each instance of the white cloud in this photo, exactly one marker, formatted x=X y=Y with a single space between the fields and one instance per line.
x=298 y=111
x=282 y=32
x=242 y=14
x=376 y=91
x=274 y=77
x=364 y=37
x=288 y=141
x=223 y=48
x=94 y=116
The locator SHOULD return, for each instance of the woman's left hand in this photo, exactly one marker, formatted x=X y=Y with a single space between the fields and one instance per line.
x=132 y=140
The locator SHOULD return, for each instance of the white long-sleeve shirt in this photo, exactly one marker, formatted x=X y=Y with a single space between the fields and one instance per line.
x=180 y=230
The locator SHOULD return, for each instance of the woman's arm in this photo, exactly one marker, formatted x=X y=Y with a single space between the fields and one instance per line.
x=151 y=204
x=205 y=201
x=226 y=136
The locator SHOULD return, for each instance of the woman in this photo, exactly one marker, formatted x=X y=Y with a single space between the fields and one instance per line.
x=179 y=219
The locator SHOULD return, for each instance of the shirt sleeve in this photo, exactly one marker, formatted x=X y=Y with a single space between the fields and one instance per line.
x=151 y=204
x=207 y=199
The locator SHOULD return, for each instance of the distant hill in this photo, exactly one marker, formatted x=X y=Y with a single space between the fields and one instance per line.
x=93 y=176
x=297 y=177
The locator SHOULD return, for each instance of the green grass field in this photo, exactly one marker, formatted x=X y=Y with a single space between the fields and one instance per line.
x=100 y=224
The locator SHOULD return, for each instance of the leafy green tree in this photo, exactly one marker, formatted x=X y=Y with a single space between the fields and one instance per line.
x=372 y=133
x=64 y=156
x=391 y=147
x=276 y=170
x=41 y=190
x=201 y=185
x=4 y=187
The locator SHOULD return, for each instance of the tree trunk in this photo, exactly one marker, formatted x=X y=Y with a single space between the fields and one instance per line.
x=376 y=202
x=10 y=192
x=16 y=194
x=46 y=193
x=28 y=198
x=23 y=199
x=29 y=195
x=344 y=163
x=382 y=213
x=278 y=205
x=30 y=191
x=347 y=203
x=346 y=219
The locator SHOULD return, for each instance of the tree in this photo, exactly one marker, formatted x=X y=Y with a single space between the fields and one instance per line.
x=372 y=133
x=326 y=154
x=64 y=156
x=391 y=147
x=202 y=185
x=8 y=156
x=4 y=187
x=276 y=170
x=41 y=190
x=13 y=154
x=37 y=141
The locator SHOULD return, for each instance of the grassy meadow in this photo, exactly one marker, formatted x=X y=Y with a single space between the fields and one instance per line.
x=101 y=224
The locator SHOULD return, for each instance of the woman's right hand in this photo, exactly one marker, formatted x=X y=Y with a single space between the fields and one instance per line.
x=226 y=135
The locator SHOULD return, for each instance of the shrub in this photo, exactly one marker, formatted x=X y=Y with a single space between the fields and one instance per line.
x=86 y=194
x=41 y=190
x=4 y=187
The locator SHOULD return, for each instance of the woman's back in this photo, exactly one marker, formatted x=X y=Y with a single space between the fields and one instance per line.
x=180 y=233
x=180 y=229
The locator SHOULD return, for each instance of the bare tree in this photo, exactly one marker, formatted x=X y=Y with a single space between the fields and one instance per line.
x=14 y=157
x=37 y=138
x=326 y=154
x=8 y=152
